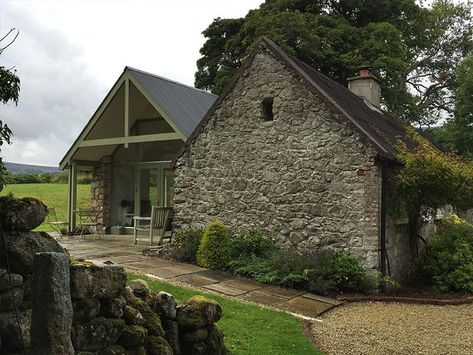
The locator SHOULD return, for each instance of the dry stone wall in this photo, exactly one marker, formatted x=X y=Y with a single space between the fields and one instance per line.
x=306 y=178
x=50 y=304
x=18 y=246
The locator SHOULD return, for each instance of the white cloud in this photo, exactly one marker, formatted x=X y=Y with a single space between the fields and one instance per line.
x=69 y=54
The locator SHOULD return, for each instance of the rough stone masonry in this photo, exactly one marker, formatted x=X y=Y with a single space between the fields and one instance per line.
x=306 y=177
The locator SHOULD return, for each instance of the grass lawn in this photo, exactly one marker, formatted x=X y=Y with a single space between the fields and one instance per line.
x=249 y=329
x=52 y=195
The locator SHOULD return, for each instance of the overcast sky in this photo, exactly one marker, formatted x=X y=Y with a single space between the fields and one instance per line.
x=69 y=54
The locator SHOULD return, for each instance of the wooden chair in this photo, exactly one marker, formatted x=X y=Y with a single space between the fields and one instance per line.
x=88 y=222
x=160 y=220
x=54 y=223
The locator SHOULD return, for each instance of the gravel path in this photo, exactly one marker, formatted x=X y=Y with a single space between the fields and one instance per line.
x=394 y=328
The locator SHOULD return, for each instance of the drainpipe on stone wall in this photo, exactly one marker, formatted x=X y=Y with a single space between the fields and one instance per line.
x=384 y=184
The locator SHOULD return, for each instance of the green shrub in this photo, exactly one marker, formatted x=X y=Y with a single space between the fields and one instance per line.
x=214 y=248
x=253 y=243
x=337 y=272
x=186 y=244
x=448 y=261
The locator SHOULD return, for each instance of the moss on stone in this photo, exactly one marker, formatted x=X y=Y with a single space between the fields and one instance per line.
x=198 y=312
x=133 y=336
x=140 y=350
x=152 y=322
x=158 y=346
x=113 y=350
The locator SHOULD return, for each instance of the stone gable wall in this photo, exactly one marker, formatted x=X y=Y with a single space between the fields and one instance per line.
x=306 y=178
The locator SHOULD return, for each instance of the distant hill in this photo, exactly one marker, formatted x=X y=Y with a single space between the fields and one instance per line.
x=16 y=168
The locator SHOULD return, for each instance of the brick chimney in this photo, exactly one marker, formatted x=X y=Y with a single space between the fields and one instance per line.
x=366 y=85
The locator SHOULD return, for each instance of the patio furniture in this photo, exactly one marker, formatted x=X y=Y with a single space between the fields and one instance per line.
x=56 y=225
x=160 y=220
x=89 y=222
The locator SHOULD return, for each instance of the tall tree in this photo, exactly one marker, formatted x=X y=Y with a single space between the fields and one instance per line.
x=457 y=134
x=413 y=49
x=9 y=91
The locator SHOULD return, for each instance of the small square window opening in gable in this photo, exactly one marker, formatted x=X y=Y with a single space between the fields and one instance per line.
x=267 y=104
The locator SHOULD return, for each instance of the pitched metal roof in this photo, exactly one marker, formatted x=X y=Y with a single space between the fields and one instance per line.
x=184 y=104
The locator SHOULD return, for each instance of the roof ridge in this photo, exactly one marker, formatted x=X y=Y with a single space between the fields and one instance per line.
x=168 y=80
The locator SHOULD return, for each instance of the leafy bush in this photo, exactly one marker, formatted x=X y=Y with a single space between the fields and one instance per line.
x=336 y=271
x=187 y=243
x=214 y=248
x=252 y=243
x=448 y=261
x=321 y=273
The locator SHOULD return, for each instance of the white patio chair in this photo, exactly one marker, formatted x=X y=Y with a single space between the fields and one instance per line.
x=160 y=220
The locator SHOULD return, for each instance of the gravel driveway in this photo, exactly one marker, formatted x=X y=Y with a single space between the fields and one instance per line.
x=394 y=328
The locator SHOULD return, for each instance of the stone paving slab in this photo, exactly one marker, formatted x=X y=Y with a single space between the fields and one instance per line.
x=195 y=279
x=288 y=293
x=234 y=287
x=121 y=250
x=258 y=296
x=306 y=306
x=217 y=276
x=323 y=299
x=148 y=263
x=173 y=270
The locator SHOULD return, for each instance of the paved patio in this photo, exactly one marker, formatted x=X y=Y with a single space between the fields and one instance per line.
x=121 y=250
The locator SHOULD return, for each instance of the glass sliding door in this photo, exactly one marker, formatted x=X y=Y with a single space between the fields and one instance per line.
x=148 y=190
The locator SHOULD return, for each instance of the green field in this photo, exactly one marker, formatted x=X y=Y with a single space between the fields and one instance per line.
x=52 y=195
x=248 y=328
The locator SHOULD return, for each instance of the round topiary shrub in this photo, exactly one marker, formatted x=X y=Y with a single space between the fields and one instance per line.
x=214 y=248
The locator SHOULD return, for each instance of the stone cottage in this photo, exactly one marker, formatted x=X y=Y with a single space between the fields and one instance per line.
x=289 y=151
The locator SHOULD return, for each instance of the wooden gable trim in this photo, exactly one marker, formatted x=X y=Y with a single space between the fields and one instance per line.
x=124 y=79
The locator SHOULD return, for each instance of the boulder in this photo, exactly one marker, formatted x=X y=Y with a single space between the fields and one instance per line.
x=198 y=312
x=112 y=308
x=140 y=288
x=171 y=334
x=128 y=294
x=16 y=280
x=140 y=350
x=11 y=298
x=212 y=345
x=22 y=247
x=133 y=336
x=14 y=338
x=113 y=350
x=165 y=304
x=132 y=316
x=52 y=312
x=21 y=214
x=158 y=346
x=96 y=334
x=215 y=341
x=152 y=322
x=97 y=281
x=85 y=309
x=195 y=336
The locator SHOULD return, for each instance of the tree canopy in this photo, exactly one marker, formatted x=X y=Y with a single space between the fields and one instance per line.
x=413 y=49
x=9 y=91
x=457 y=134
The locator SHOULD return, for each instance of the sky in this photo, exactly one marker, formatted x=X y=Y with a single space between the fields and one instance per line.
x=69 y=54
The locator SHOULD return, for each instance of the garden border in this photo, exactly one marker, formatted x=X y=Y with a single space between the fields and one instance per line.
x=409 y=300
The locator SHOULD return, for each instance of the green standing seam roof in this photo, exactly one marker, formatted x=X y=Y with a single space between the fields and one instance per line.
x=184 y=104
